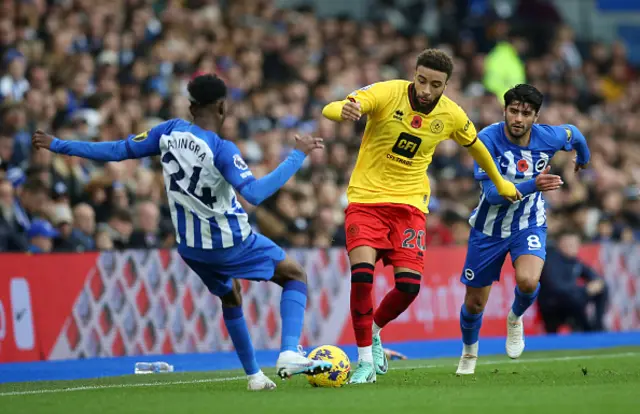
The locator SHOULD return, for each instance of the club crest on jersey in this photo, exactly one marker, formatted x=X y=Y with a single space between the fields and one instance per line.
x=239 y=162
x=436 y=126
x=468 y=274
x=141 y=137
x=522 y=165
x=416 y=122
x=541 y=165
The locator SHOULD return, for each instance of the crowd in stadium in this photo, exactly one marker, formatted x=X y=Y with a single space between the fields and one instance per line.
x=89 y=70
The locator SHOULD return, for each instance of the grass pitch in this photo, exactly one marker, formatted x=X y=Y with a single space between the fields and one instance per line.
x=594 y=381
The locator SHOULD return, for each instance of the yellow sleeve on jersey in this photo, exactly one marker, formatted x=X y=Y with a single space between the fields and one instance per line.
x=465 y=132
x=371 y=99
x=481 y=155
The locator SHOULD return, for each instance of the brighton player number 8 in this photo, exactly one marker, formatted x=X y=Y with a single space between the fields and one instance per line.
x=534 y=242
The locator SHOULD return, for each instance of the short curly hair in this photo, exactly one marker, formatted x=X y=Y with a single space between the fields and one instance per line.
x=437 y=60
x=206 y=89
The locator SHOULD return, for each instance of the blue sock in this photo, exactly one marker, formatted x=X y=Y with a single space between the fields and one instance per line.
x=470 y=325
x=237 y=327
x=292 y=306
x=522 y=301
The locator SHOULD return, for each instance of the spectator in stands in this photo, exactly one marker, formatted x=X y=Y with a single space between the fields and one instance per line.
x=568 y=286
x=41 y=235
x=147 y=232
x=31 y=202
x=84 y=226
x=11 y=238
x=120 y=227
x=100 y=71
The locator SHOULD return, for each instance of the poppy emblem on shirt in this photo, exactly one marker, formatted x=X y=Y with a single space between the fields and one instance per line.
x=416 y=122
x=523 y=166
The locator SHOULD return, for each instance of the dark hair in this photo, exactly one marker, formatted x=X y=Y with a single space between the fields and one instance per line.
x=437 y=60
x=121 y=214
x=568 y=232
x=206 y=89
x=35 y=186
x=524 y=93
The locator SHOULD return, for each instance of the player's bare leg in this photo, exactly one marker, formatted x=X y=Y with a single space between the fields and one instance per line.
x=363 y=259
x=407 y=287
x=475 y=300
x=528 y=269
x=291 y=361
x=237 y=328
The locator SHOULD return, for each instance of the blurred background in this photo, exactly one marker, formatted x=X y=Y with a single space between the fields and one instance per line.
x=90 y=70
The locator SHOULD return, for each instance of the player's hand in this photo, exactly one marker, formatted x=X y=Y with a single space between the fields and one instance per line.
x=577 y=167
x=548 y=182
x=41 y=139
x=351 y=111
x=509 y=191
x=307 y=143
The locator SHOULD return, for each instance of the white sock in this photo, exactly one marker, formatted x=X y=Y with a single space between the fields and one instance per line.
x=470 y=349
x=256 y=375
x=365 y=354
x=376 y=329
x=512 y=317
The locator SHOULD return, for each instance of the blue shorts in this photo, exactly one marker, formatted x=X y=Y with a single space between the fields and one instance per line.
x=486 y=254
x=255 y=258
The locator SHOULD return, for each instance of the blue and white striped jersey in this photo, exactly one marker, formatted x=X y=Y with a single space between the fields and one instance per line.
x=202 y=173
x=518 y=165
x=204 y=208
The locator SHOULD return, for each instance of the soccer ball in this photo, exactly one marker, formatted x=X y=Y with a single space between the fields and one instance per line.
x=338 y=375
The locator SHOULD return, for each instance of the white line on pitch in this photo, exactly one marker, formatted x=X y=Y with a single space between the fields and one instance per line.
x=522 y=361
x=227 y=379
x=109 y=386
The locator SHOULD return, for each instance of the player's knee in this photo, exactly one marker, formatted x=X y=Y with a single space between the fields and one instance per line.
x=474 y=304
x=408 y=282
x=233 y=298
x=296 y=272
x=528 y=283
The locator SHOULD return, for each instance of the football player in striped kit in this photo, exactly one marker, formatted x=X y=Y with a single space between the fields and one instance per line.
x=202 y=173
x=522 y=150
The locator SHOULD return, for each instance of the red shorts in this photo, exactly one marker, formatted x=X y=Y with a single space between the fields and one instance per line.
x=397 y=231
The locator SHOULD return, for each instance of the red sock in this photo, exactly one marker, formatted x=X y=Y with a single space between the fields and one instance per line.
x=398 y=299
x=362 y=303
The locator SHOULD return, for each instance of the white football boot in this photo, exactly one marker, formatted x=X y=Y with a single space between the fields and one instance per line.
x=468 y=360
x=260 y=382
x=291 y=363
x=515 y=336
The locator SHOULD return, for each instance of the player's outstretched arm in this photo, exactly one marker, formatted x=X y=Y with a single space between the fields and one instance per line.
x=237 y=173
x=135 y=146
x=543 y=182
x=99 y=151
x=481 y=155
